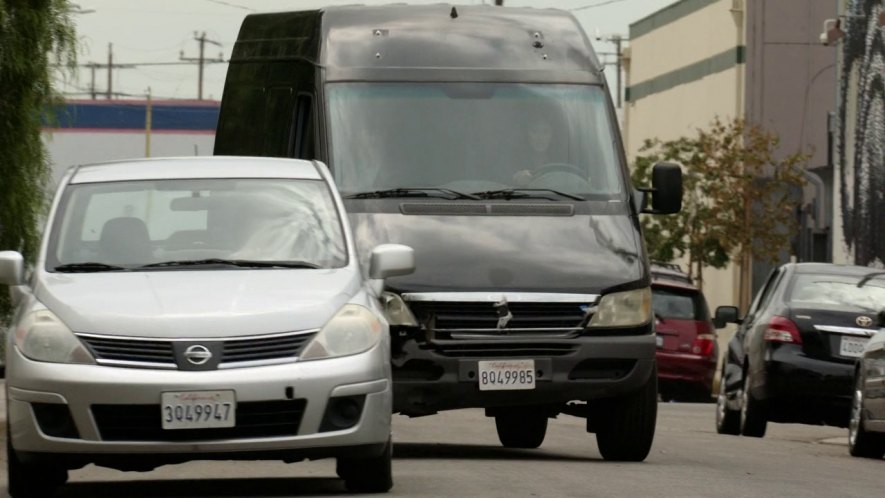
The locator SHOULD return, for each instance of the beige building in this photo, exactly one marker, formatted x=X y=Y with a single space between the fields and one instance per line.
x=760 y=60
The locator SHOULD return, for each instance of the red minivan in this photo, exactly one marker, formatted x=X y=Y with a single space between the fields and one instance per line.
x=686 y=339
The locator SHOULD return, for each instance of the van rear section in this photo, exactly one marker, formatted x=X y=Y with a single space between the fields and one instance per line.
x=485 y=139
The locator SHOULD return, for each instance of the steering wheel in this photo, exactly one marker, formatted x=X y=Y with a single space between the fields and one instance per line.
x=548 y=168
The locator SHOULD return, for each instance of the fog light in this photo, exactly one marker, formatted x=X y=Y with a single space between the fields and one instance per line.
x=343 y=413
x=55 y=420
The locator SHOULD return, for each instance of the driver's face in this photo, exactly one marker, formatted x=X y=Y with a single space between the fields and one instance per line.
x=540 y=134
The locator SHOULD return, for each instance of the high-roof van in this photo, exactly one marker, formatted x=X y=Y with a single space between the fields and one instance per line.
x=484 y=138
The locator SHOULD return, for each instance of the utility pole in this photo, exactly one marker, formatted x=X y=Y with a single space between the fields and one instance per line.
x=92 y=66
x=110 y=70
x=201 y=60
x=617 y=41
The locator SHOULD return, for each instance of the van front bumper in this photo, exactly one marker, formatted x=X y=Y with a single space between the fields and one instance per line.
x=444 y=377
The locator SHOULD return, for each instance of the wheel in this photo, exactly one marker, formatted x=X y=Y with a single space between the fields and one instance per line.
x=367 y=475
x=728 y=421
x=753 y=420
x=860 y=442
x=32 y=480
x=522 y=427
x=625 y=426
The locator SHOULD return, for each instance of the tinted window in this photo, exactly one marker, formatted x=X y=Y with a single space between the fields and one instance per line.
x=472 y=137
x=837 y=291
x=679 y=305
x=141 y=222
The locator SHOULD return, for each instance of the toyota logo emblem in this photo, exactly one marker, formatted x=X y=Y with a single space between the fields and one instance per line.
x=197 y=354
x=864 y=321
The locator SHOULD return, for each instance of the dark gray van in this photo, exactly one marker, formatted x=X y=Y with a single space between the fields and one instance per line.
x=485 y=139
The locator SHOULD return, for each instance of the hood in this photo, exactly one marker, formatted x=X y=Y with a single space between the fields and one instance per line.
x=197 y=304
x=582 y=253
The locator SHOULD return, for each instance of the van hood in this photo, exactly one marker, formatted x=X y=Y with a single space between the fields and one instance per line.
x=196 y=304
x=569 y=254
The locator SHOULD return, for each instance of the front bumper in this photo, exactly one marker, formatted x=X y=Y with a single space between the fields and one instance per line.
x=79 y=387
x=428 y=380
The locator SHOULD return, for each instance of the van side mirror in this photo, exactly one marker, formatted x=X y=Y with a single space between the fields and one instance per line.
x=391 y=260
x=726 y=315
x=880 y=319
x=12 y=268
x=666 y=189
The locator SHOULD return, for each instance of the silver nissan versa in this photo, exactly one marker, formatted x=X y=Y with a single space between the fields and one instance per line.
x=200 y=308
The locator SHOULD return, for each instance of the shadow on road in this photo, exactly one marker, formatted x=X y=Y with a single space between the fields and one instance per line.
x=264 y=487
x=405 y=451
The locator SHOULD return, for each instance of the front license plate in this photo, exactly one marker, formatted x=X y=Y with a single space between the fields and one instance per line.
x=852 y=346
x=199 y=409
x=506 y=375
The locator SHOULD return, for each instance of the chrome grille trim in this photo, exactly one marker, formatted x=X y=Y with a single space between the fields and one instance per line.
x=846 y=330
x=512 y=297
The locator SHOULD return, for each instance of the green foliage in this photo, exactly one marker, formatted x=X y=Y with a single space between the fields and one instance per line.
x=739 y=196
x=34 y=34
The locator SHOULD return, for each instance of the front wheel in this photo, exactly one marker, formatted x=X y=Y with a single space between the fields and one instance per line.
x=27 y=480
x=860 y=442
x=625 y=426
x=728 y=421
x=368 y=475
x=521 y=427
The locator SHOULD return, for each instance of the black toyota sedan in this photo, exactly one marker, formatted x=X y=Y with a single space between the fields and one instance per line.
x=793 y=357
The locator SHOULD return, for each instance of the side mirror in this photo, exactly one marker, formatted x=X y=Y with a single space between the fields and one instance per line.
x=666 y=191
x=726 y=315
x=391 y=260
x=12 y=268
x=880 y=319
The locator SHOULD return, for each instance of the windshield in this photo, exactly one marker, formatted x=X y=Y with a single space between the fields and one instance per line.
x=472 y=137
x=131 y=224
x=838 y=291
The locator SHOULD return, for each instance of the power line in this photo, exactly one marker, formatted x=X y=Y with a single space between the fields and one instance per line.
x=201 y=60
x=232 y=5
x=597 y=4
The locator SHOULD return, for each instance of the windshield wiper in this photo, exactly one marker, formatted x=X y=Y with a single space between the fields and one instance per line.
x=869 y=277
x=525 y=193
x=445 y=193
x=89 y=267
x=240 y=263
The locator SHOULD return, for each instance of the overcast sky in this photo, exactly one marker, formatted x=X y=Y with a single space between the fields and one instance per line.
x=158 y=31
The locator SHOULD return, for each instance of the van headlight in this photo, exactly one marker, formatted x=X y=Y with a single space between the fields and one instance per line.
x=42 y=336
x=623 y=309
x=354 y=329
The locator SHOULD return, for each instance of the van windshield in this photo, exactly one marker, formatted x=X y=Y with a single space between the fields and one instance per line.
x=473 y=137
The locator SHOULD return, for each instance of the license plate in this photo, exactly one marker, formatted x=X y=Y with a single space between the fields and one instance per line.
x=198 y=409
x=506 y=375
x=659 y=341
x=852 y=346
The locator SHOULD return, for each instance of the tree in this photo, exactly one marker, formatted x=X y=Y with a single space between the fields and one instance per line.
x=740 y=198
x=33 y=35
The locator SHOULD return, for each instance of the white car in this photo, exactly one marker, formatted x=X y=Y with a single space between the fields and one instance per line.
x=198 y=308
x=866 y=428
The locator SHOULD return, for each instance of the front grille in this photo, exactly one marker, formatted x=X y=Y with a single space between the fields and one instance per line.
x=255 y=419
x=466 y=316
x=504 y=349
x=150 y=353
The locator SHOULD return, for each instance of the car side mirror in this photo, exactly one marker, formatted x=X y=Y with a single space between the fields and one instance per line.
x=391 y=260
x=726 y=315
x=666 y=189
x=880 y=319
x=12 y=268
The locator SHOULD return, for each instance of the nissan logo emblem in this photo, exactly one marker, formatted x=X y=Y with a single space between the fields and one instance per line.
x=197 y=354
x=864 y=321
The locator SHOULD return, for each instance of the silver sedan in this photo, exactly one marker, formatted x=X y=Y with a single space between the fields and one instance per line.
x=866 y=430
x=200 y=308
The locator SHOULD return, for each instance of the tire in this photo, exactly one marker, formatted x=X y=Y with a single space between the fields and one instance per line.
x=32 y=480
x=753 y=421
x=625 y=426
x=368 y=475
x=521 y=427
x=860 y=442
x=727 y=421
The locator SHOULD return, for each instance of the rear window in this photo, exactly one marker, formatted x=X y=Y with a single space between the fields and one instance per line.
x=838 y=291
x=679 y=305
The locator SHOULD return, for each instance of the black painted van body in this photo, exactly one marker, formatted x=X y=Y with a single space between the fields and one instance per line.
x=423 y=114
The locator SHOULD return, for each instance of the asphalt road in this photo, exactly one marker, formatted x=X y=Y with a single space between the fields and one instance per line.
x=457 y=454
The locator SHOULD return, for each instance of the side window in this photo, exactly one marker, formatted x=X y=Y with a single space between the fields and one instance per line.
x=765 y=292
x=277 y=124
x=303 y=132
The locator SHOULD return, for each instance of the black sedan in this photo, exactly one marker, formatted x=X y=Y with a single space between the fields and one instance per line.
x=793 y=357
x=866 y=430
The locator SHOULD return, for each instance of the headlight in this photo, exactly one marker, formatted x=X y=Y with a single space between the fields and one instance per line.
x=623 y=309
x=42 y=336
x=352 y=330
